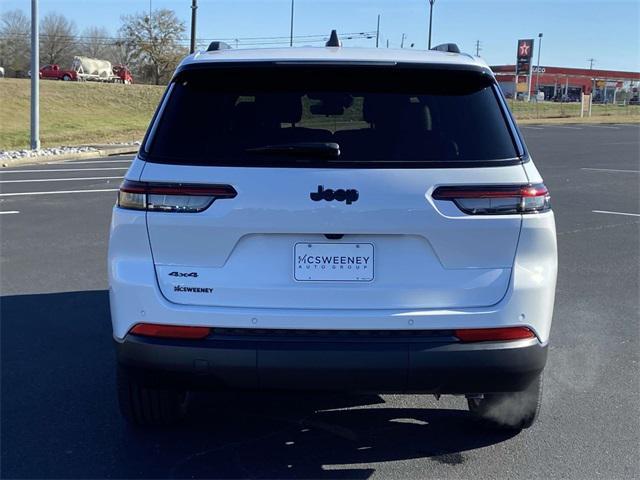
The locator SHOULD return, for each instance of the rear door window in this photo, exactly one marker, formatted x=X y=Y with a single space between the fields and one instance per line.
x=332 y=116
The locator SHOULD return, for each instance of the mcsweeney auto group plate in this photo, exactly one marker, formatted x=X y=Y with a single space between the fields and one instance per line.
x=327 y=262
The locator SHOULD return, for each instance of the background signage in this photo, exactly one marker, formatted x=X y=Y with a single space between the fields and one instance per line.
x=524 y=55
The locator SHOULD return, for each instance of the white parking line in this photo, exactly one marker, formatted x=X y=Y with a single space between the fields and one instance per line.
x=610 y=170
x=533 y=128
x=64 y=170
x=617 y=213
x=9 y=212
x=602 y=126
x=56 y=192
x=571 y=128
x=57 y=179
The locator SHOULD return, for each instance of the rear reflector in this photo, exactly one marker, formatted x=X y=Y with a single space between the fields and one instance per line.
x=170 y=331
x=496 y=199
x=493 y=334
x=162 y=197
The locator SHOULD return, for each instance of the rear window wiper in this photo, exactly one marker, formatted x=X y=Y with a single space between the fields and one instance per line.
x=307 y=149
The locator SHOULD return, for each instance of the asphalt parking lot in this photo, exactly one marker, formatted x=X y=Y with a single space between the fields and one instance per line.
x=59 y=412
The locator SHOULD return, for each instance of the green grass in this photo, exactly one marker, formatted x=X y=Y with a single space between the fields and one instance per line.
x=75 y=113
x=554 y=110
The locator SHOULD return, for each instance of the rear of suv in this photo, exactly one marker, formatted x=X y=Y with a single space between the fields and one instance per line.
x=332 y=219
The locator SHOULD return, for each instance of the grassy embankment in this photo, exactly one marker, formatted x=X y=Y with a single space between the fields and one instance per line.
x=74 y=113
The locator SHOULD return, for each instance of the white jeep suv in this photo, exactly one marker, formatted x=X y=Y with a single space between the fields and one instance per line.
x=332 y=219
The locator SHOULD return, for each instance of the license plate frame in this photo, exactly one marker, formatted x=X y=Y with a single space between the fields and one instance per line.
x=338 y=262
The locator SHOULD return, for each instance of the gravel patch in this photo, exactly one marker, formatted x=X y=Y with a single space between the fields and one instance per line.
x=11 y=155
x=43 y=152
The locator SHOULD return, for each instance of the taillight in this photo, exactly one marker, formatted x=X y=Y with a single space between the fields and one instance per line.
x=493 y=334
x=496 y=199
x=174 y=197
x=170 y=331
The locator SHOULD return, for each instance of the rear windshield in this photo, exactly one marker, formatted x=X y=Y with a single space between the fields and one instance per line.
x=332 y=116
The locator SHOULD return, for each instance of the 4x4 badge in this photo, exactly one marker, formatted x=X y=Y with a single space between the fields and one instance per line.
x=339 y=195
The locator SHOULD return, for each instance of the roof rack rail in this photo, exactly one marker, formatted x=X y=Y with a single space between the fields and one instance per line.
x=213 y=46
x=447 y=47
x=334 y=40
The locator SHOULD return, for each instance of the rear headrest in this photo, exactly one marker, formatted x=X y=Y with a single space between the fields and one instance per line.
x=279 y=108
x=245 y=115
x=417 y=117
x=379 y=108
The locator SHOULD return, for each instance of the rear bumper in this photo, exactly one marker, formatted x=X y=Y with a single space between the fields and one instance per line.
x=396 y=363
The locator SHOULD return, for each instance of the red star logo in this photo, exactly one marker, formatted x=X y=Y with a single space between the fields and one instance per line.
x=524 y=49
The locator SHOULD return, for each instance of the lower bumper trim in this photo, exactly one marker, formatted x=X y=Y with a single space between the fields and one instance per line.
x=436 y=365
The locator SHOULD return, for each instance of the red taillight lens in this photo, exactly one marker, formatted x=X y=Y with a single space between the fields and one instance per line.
x=496 y=199
x=493 y=334
x=186 y=198
x=170 y=331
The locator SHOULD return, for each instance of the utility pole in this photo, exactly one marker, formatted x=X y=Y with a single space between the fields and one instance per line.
x=291 y=30
x=378 y=32
x=478 y=48
x=591 y=60
x=431 y=2
x=35 y=77
x=402 y=41
x=538 y=70
x=194 y=7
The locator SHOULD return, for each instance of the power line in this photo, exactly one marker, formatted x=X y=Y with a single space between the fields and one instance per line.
x=104 y=42
x=298 y=38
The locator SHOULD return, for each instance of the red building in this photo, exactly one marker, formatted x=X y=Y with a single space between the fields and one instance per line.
x=570 y=83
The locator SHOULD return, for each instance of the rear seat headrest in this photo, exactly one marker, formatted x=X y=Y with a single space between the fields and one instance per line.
x=279 y=108
x=380 y=108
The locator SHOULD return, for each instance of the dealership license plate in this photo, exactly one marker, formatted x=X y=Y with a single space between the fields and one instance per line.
x=326 y=262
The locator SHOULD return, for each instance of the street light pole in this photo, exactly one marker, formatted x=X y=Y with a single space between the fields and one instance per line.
x=194 y=7
x=35 y=77
x=291 y=31
x=431 y=2
x=538 y=70
x=378 y=32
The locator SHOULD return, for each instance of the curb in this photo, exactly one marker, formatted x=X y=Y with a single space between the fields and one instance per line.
x=102 y=152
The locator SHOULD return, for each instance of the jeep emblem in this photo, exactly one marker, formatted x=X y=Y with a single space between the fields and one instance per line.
x=340 y=195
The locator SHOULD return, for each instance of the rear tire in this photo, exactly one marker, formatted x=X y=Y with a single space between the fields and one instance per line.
x=509 y=411
x=147 y=404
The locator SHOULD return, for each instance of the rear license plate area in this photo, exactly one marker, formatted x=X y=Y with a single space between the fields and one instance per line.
x=333 y=262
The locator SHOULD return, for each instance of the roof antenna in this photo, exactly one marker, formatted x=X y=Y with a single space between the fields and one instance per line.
x=333 y=41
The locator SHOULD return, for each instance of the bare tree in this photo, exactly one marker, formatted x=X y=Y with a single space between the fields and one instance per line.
x=95 y=43
x=155 y=41
x=15 y=48
x=57 y=39
x=122 y=52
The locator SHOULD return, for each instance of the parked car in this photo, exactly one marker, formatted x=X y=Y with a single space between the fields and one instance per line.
x=333 y=219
